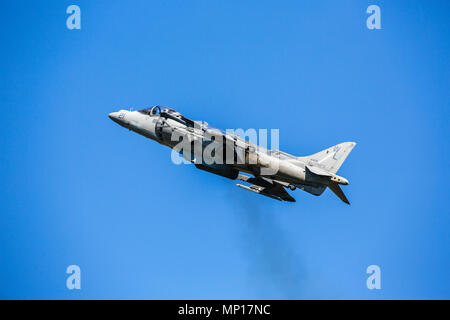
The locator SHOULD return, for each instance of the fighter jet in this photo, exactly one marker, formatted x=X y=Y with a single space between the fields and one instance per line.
x=269 y=172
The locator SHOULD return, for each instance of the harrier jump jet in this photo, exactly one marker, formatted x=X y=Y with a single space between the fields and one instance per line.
x=271 y=172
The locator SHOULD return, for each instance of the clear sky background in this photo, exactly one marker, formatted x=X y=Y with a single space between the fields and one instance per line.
x=76 y=188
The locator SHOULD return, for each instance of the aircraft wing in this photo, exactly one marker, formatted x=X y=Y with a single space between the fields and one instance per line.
x=266 y=187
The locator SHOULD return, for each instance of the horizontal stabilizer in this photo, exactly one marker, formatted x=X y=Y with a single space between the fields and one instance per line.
x=338 y=191
x=318 y=171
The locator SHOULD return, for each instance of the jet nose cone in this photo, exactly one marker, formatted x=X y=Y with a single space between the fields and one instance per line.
x=116 y=117
x=113 y=115
x=119 y=118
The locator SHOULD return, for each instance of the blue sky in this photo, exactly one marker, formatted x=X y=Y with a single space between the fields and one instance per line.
x=78 y=189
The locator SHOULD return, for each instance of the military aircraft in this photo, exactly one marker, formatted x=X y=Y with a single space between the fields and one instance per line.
x=272 y=171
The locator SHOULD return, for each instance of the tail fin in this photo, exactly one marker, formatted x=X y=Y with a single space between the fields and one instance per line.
x=332 y=158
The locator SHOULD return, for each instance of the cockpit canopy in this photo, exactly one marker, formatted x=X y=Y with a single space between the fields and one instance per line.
x=151 y=111
x=172 y=112
x=156 y=110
